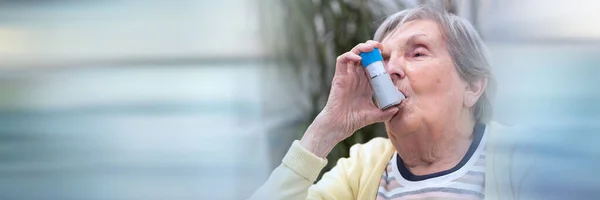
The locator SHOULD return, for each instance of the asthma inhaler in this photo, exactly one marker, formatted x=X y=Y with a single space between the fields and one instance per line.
x=386 y=94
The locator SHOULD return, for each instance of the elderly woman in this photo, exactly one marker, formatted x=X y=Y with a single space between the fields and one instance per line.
x=441 y=143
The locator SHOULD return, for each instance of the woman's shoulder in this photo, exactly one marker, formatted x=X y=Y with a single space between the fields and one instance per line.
x=376 y=151
x=375 y=146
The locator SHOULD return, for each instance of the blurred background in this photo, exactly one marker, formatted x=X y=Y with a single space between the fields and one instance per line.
x=195 y=99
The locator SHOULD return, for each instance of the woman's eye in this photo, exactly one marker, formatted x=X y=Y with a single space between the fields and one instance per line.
x=419 y=52
x=417 y=55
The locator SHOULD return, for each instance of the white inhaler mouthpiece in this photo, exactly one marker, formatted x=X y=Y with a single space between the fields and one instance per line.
x=386 y=94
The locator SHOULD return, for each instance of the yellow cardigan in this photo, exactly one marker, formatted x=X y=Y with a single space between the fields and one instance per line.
x=358 y=176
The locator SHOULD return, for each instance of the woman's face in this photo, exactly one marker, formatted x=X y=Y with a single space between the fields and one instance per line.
x=417 y=58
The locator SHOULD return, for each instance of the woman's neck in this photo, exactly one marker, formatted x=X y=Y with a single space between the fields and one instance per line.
x=435 y=147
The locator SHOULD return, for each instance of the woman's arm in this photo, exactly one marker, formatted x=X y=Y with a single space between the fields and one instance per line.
x=349 y=108
x=300 y=167
x=294 y=178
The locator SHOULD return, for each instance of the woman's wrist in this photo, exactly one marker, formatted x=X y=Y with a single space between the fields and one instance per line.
x=319 y=140
x=316 y=146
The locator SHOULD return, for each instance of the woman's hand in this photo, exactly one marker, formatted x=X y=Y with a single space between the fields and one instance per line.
x=349 y=106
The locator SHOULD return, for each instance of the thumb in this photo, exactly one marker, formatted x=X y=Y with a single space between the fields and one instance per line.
x=388 y=113
x=383 y=115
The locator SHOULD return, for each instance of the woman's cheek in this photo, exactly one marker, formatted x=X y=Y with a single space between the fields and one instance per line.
x=421 y=78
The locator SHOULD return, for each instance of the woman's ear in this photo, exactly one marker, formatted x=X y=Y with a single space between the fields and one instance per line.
x=474 y=91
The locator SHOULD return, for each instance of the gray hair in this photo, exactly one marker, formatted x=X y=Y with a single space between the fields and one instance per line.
x=466 y=48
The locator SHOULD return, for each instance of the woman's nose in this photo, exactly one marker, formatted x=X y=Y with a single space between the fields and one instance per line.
x=395 y=68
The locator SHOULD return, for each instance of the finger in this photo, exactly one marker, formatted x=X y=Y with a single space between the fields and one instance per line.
x=383 y=115
x=387 y=114
x=362 y=47
x=357 y=69
x=341 y=65
x=352 y=65
x=375 y=44
x=358 y=74
x=361 y=75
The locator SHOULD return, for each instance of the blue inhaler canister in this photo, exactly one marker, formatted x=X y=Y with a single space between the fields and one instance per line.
x=386 y=94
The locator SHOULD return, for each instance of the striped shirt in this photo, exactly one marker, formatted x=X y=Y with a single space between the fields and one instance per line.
x=464 y=181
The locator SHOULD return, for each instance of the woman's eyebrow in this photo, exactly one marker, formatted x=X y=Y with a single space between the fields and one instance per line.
x=413 y=39
x=409 y=42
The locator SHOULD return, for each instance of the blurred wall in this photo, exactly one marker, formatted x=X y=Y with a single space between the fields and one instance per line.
x=545 y=55
x=124 y=99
